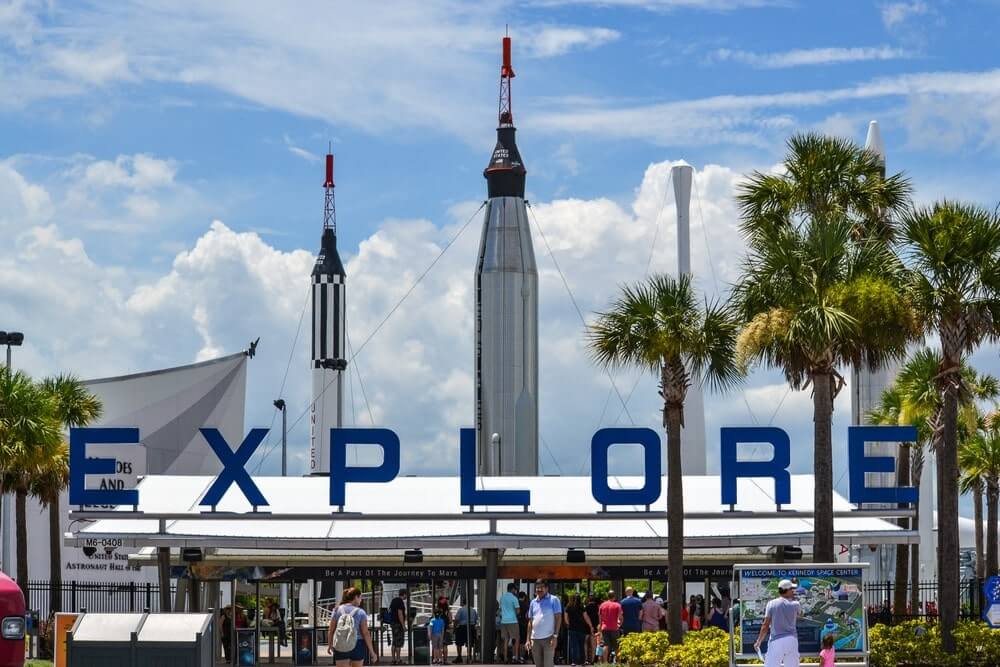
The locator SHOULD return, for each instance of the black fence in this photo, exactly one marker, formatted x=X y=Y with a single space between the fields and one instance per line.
x=880 y=596
x=97 y=597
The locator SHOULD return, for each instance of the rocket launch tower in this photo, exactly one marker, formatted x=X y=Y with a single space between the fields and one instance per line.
x=329 y=322
x=506 y=310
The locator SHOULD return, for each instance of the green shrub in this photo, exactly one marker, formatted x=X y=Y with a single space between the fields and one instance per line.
x=917 y=643
x=705 y=648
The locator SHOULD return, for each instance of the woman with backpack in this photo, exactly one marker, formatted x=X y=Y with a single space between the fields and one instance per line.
x=350 y=640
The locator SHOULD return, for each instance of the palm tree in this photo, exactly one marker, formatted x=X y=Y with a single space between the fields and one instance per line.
x=952 y=253
x=888 y=413
x=805 y=295
x=920 y=406
x=28 y=429
x=818 y=267
x=75 y=406
x=979 y=459
x=658 y=326
x=973 y=480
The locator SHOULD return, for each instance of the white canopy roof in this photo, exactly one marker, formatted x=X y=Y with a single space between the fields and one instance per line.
x=388 y=516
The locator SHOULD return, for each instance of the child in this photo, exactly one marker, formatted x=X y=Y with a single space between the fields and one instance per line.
x=828 y=654
x=436 y=630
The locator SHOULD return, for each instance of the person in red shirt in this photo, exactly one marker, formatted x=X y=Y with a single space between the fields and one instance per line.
x=610 y=613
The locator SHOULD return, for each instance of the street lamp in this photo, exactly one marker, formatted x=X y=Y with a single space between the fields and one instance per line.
x=11 y=339
x=280 y=404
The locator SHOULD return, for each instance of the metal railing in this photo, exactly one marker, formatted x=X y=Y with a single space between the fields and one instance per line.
x=880 y=594
x=94 y=596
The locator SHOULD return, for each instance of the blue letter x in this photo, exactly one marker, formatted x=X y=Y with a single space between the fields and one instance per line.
x=233 y=467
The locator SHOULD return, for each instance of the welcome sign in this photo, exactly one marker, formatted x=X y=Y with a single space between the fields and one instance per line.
x=234 y=462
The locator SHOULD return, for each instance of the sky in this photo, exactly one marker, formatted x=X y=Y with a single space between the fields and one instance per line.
x=161 y=199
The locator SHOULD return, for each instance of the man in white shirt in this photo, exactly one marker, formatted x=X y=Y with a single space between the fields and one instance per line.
x=544 y=618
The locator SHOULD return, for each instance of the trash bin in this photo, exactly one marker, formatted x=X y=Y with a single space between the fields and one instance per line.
x=305 y=645
x=175 y=640
x=103 y=640
x=246 y=647
x=421 y=645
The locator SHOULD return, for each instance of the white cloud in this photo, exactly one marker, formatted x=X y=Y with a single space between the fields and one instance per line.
x=956 y=104
x=97 y=67
x=814 y=56
x=671 y=5
x=896 y=13
x=552 y=41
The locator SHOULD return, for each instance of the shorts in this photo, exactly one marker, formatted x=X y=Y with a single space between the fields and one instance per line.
x=437 y=642
x=398 y=635
x=510 y=632
x=462 y=634
x=358 y=654
x=782 y=652
x=610 y=639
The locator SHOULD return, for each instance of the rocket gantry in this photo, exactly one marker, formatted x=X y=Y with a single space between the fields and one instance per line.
x=506 y=278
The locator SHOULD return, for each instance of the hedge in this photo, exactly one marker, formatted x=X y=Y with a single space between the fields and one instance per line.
x=909 y=644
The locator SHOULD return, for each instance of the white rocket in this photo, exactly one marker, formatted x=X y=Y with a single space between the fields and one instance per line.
x=693 y=454
x=506 y=310
x=329 y=333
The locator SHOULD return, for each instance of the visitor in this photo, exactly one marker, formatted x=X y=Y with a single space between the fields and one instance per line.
x=563 y=635
x=354 y=617
x=274 y=616
x=397 y=624
x=610 y=613
x=544 y=619
x=510 y=609
x=579 y=628
x=594 y=638
x=435 y=630
x=827 y=656
x=717 y=619
x=226 y=632
x=650 y=614
x=444 y=608
x=466 y=620
x=780 y=618
x=631 y=607
x=663 y=613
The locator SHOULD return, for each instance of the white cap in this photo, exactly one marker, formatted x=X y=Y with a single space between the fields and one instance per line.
x=785 y=585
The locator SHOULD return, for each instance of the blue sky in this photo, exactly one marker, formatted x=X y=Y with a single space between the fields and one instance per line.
x=160 y=184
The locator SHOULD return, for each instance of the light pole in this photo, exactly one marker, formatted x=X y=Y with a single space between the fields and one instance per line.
x=280 y=404
x=10 y=339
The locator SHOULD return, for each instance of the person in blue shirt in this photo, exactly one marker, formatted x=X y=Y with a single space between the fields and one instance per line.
x=510 y=608
x=436 y=630
x=631 y=608
x=544 y=619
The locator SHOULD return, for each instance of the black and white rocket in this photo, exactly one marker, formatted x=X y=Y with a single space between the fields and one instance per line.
x=329 y=334
x=506 y=310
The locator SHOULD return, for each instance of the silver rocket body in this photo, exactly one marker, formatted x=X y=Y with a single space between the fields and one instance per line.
x=693 y=454
x=506 y=341
x=329 y=344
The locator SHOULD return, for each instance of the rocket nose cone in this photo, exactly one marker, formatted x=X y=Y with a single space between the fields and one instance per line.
x=873 y=141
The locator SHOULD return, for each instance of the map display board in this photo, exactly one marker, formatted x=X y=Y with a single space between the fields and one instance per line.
x=832 y=599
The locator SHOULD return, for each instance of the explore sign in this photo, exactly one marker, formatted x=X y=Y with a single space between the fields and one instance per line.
x=733 y=468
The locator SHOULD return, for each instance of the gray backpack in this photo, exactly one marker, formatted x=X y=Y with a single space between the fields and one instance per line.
x=345 y=636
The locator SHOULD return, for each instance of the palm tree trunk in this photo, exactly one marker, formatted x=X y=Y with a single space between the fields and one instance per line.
x=675 y=522
x=823 y=467
x=21 y=521
x=948 y=576
x=55 y=556
x=977 y=513
x=992 y=508
x=902 y=555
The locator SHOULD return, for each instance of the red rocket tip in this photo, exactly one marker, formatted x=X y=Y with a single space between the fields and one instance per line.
x=329 y=171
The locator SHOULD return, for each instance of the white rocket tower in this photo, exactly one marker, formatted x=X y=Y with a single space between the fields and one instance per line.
x=506 y=310
x=329 y=328
x=693 y=454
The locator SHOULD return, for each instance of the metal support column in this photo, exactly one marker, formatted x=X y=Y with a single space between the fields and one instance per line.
x=163 y=563
x=490 y=605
